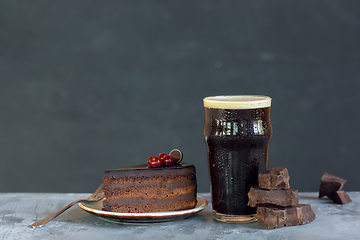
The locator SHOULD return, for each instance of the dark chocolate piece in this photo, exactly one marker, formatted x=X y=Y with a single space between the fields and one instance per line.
x=286 y=197
x=177 y=155
x=341 y=197
x=329 y=185
x=276 y=217
x=274 y=178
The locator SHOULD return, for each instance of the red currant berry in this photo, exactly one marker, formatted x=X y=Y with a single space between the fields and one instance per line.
x=168 y=160
x=162 y=155
x=155 y=161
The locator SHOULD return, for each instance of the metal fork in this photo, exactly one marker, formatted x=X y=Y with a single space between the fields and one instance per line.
x=95 y=197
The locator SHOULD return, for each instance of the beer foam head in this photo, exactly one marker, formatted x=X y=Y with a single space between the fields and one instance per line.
x=237 y=102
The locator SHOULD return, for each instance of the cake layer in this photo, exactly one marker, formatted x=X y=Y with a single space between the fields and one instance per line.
x=139 y=180
x=170 y=185
x=129 y=201
x=151 y=207
x=148 y=191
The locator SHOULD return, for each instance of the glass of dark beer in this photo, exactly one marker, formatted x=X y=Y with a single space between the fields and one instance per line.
x=237 y=133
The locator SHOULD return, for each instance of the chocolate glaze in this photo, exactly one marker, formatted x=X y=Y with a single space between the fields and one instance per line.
x=143 y=170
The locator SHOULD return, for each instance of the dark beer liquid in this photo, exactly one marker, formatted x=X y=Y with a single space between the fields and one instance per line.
x=237 y=146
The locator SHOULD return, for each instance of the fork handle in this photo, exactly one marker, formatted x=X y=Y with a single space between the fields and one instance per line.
x=52 y=216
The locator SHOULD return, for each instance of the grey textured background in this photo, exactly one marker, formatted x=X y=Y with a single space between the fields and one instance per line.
x=87 y=86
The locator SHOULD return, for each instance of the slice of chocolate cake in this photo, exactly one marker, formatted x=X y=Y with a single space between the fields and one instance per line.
x=140 y=189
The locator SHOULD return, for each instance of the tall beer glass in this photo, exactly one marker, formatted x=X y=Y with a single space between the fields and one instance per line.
x=237 y=133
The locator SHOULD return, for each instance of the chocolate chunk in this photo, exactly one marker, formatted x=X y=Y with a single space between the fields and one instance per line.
x=274 y=178
x=341 y=197
x=177 y=155
x=286 y=197
x=329 y=185
x=276 y=217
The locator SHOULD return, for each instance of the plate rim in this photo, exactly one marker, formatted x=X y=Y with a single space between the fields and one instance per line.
x=201 y=205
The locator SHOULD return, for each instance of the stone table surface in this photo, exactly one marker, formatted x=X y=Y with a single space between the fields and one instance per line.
x=19 y=210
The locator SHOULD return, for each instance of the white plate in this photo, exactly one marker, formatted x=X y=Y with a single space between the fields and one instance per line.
x=153 y=217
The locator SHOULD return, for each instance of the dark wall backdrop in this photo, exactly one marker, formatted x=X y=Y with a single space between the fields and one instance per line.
x=87 y=86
